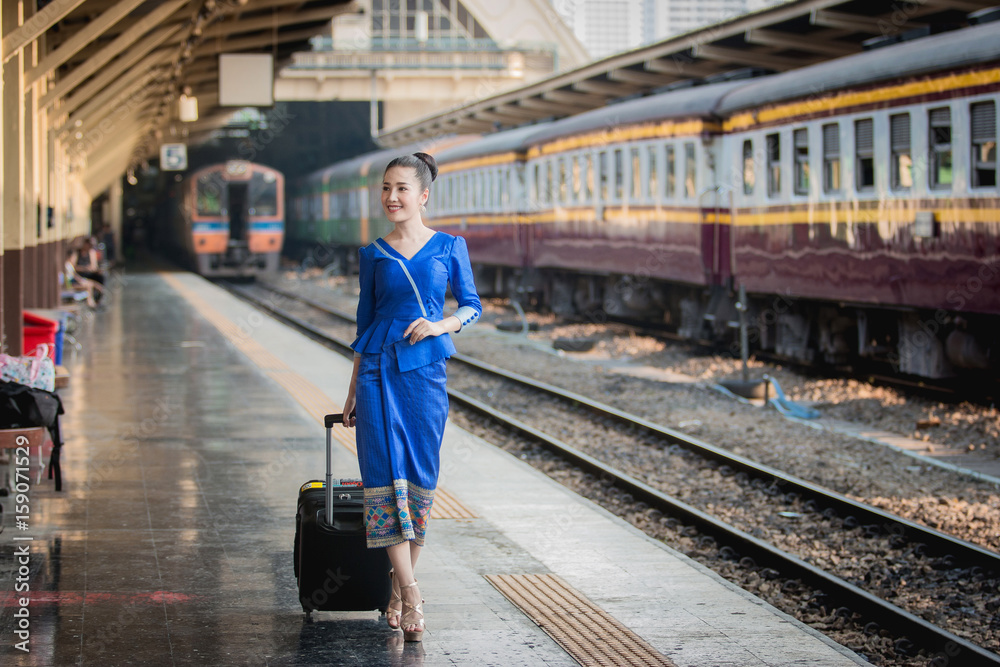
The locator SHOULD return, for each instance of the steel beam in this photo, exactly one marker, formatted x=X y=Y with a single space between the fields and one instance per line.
x=121 y=43
x=581 y=100
x=606 y=89
x=556 y=108
x=140 y=59
x=36 y=26
x=747 y=58
x=810 y=44
x=642 y=78
x=80 y=39
x=213 y=47
x=236 y=27
x=109 y=96
x=874 y=25
x=681 y=67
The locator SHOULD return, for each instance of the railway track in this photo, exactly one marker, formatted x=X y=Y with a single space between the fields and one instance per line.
x=923 y=545
x=980 y=391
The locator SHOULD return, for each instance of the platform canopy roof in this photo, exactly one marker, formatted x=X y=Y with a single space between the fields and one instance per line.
x=777 y=39
x=109 y=72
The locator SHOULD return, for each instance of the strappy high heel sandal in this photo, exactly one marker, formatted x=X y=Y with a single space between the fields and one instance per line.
x=406 y=620
x=391 y=613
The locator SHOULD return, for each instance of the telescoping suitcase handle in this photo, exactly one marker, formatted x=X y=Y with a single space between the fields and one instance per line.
x=330 y=420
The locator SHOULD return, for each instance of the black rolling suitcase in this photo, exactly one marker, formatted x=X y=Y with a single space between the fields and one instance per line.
x=334 y=568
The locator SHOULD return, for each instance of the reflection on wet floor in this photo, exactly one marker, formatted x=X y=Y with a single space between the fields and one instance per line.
x=172 y=541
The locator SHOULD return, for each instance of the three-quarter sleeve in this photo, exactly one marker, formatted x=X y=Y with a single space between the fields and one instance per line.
x=366 y=300
x=463 y=287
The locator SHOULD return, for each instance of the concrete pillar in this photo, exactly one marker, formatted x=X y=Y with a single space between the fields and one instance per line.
x=13 y=185
x=29 y=201
x=115 y=203
x=4 y=8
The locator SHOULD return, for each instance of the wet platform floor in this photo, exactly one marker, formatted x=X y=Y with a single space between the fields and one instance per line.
x=171 y=543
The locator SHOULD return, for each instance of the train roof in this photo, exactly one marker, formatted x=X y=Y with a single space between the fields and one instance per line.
x=490 y=144
x=952 y=50
x=697 y=101
x=352 y=166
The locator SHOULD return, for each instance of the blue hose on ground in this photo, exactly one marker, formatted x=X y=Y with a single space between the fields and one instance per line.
x=786 y=407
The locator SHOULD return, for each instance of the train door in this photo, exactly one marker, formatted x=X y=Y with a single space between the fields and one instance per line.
x=238 y=204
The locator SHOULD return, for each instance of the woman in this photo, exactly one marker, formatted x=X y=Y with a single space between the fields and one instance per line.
x=86 y=262
x=398 y=385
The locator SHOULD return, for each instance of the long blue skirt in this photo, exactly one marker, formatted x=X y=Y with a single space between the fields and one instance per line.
x=400 y=424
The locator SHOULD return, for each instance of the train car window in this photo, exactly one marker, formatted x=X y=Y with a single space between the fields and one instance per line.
x=209 y=199
x=550 y=177
x=899 y=147
x=588 y=177
x=800 y=141
x=494 y=185
x=831 y=158
x=749 y=174
x=577 y=179
x=984 y=144
x=619 y=175
x=654 y=187
x=669 y=173
x=505 y=193
x=773 y=165
x=864 y=154
x=636 y=176
x=602 y=178
x=536 y=183
x=940 y=148
x=690 y=171
x=563 y=195
x=541 y=182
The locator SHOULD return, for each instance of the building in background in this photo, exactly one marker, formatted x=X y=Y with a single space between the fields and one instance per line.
x=605 y=26
x=611 y=26
x=419 y=57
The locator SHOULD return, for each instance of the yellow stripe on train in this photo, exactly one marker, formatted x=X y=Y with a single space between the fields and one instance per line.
x=845 y=100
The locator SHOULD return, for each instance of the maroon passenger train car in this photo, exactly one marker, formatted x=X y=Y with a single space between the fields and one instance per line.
x=855 y=201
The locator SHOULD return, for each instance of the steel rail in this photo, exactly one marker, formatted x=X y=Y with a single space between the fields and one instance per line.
x=920 y=632
x=898 y=621
x=962 y=552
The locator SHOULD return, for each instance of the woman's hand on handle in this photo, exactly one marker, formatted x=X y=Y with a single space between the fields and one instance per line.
x=349 y=405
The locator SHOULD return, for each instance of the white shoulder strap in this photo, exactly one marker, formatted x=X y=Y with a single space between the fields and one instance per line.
x=420 y=300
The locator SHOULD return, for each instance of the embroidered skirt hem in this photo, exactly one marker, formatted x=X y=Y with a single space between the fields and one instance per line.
x=396 y=514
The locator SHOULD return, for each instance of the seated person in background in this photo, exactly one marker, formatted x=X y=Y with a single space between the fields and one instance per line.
x=72 y=281
x=85 y=262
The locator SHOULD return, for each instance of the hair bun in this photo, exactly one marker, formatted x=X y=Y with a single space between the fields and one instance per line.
x=430 y=162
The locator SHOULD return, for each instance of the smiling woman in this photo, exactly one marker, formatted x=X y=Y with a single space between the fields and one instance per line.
x=397 y=397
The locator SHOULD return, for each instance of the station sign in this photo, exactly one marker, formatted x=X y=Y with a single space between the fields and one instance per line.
x=173 y=157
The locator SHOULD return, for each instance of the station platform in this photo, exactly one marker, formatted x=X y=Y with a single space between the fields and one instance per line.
x=191 y=422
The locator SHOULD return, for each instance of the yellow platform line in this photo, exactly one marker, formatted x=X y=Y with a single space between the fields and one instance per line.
x=307 y=394
x=588 y=633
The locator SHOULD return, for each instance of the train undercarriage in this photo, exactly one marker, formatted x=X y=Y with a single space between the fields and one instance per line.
x=936 y=345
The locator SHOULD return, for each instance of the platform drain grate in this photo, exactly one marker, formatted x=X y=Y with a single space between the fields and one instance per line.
x=584 y=630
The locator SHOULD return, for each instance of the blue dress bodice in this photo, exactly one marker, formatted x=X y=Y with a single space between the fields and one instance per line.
x=395 y=291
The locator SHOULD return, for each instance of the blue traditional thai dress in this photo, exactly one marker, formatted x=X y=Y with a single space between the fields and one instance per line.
x=402 y=404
